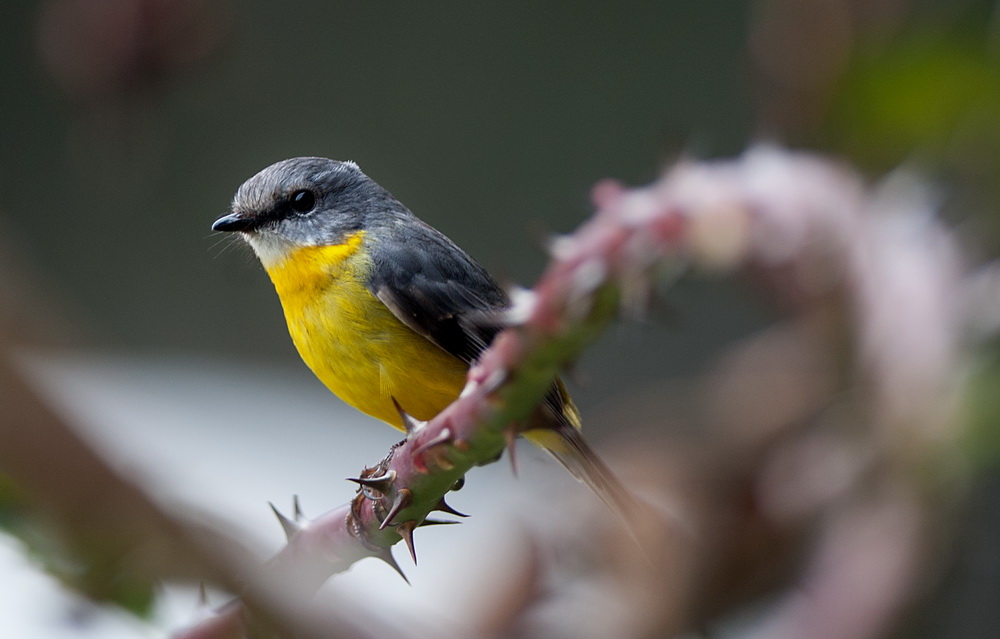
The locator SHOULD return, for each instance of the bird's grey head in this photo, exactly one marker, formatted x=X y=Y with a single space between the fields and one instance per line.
x=303 y=202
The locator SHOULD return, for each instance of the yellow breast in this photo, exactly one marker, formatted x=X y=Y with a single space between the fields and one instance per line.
x=353 y=342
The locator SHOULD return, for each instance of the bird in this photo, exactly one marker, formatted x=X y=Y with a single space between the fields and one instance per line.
x=384 y=309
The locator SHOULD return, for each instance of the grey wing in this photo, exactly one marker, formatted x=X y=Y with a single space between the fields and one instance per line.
x=435 y=288
x=440 y=292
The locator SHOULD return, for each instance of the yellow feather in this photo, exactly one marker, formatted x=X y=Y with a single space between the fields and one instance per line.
x=353 y=343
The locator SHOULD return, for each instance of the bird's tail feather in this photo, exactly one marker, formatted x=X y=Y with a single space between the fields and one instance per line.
x=568 y=446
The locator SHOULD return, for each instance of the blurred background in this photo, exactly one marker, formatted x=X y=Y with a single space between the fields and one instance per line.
x=128 y=125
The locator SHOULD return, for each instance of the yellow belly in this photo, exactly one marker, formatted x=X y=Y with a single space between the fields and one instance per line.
x=354 y=344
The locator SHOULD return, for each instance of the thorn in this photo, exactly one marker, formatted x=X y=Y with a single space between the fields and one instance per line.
x=385 y=555
x=441 y=438
x=522 y=304
x=586 y=277
x=634 y=304
x=380 y=484
x=403 y=499
x=495 y=380
x=405 y=530
x=297 y=509
x=470 y=387
x=290 y=527
x=560 y=247
x=510 y=435
x=436 y=522
x=410 y=423
x=445 y=508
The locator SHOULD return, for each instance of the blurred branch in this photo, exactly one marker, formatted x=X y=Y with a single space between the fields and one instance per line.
x=98 y=532
x=101 y=522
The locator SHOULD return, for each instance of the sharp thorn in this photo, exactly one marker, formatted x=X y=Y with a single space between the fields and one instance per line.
x=410 y=423
x=510 y=435
x=405 y=530
x=380 y=484
x=495 y=380
x=436 y=522
x=403 y=498
x=386 y=555
x=559 y=246
x=522 y=304
x=442 y=437
x=289 y=526
x=297 y=508
x=445 y=508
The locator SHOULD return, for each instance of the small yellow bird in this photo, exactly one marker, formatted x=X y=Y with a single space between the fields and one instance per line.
x=382 y=307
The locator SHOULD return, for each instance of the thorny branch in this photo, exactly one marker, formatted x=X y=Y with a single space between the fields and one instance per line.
x=829 y=431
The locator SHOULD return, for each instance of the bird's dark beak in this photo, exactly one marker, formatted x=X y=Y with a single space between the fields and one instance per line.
x=234 y=223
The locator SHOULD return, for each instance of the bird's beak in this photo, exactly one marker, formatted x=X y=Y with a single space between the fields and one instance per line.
x=234 y=223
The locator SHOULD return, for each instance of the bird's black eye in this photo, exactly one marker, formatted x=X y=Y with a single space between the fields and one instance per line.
x=303 y=201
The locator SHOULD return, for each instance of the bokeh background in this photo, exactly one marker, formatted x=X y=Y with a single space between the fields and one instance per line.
x=128 y=124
